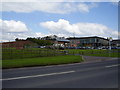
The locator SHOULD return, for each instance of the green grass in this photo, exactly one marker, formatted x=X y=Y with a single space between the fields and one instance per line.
x=42 y=61
x=12 y=58
x=12 y=53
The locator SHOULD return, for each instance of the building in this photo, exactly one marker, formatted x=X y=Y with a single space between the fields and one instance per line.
x=61 y=42
x=93 y=42
x=57 y=41
x=115 y=43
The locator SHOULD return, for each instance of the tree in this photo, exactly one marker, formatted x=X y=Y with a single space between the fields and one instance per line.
x=40 y=42
x=16 y=39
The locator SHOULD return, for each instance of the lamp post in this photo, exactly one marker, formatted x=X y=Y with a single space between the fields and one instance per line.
x=110 y=39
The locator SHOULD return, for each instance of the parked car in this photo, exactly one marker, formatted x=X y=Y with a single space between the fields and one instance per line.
x=41 y=46
x=115 y=47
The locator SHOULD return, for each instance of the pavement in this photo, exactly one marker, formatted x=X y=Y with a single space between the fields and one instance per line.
x=89 y=74
x=96 y=58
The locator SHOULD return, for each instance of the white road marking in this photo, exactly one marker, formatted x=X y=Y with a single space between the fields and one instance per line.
x=112 y=65
x=38 y=75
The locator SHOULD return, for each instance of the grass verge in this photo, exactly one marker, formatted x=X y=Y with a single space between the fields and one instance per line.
x=42 y=61
x=12 y=53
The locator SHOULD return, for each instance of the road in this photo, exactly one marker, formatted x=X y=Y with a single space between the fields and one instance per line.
x=102 y=74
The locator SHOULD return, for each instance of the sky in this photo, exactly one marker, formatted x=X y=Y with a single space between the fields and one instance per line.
x=64 y=19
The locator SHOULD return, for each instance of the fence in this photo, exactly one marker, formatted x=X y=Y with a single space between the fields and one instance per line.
x=104 y=53
x=12 y=53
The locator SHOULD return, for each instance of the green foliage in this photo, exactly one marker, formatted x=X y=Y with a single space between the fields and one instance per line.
x=40 y=42
x=17 y=39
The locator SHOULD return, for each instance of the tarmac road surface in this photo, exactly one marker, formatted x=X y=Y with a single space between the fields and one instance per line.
x=102 y=74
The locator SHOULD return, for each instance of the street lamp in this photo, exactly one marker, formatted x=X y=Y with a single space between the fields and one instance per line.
x=110 y=39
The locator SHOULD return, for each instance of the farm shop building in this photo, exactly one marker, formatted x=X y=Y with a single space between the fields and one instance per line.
x=93 y=42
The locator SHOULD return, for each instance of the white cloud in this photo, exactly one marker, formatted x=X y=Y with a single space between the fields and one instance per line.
x=6 y=37
x=10 y=29
x=32 y=0
x=59 y=0
x=115 y=3
x=49 y=7
x=16 y=29
x=79 y=29
x=12 y=26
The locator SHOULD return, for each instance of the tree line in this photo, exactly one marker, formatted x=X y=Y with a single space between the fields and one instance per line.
x=38 y=41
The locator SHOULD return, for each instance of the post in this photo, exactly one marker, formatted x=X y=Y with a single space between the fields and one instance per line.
x=110 y=39
x=109 y=45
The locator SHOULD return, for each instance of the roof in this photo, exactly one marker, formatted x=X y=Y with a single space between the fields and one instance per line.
x=63 y=40
x=116 y=41
x=86 y=37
